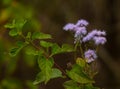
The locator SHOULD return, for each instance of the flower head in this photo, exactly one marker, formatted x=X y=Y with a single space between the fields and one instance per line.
x=79 y=28
x=90 y=55
x=97 y=36
x=69 y=26
x=80 y=32
x=82 y=22
x=99 y=40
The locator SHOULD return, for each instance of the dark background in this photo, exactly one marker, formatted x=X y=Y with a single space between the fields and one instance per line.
x=50 y=16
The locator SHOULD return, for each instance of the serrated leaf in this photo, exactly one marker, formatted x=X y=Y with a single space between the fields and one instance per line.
x=10 y=25
x=39 y=35
x=46 y=67
x=56 y=73
x=55 y=49
x=45 y=63
x=81 y=62
x=77 y=74
x=31 y=51
x=46 y=44
x=71 y=85
x=16 y=26
x=40 y=78
x=15 y=50
x=13 y=32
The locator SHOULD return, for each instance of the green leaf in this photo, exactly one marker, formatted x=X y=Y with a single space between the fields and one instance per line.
x=10 y=25
x=20 y=43
x=20 y=23
x=16 y=26
x=56 y=73
x=46 y=67
x=55 y=49
x=45 y=63
x=28 y=35
x=71 y=85
x=13 y=32
x=77 y=74
x=39 y=35
x=15 y=50
x=81 y=62
x=31 y=51
x=67 y=48
x=40 y=78
x=46 y=44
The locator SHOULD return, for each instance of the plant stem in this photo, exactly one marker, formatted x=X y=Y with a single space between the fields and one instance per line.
x=38 y=48
x=60 y=68
x=75 y=48
x=81 y=50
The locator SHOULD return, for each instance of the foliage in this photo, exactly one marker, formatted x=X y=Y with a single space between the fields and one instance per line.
x=81 y=73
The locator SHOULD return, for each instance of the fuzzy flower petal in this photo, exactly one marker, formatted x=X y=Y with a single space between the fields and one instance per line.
x=98 y=32
x=69 y=26
x=90 y=55
x=82 y=22
x=99 y=40
x=80 y=32
x=97 y=36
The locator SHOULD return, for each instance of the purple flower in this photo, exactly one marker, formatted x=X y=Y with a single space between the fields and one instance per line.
x=79 y=28
x=82 y=22
x=97 y=36
x=90 y=55
x=80 y=32
x=69 y=26
x=99 y=40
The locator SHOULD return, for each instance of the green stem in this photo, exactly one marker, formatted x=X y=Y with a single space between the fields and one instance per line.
x=75 y=48
x=38 y=48
x=81 y=50
x=60 y=68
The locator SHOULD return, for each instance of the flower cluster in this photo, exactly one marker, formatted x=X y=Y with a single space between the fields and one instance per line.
x=82 y=36
x=79 y=28
x=97 y=36
x=90 y=55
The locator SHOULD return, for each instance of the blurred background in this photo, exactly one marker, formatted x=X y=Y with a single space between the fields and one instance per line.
x=49 y=16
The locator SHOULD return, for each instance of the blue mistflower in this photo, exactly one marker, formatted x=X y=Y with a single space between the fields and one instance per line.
x=82 y=22
x=69 y=26
x=79 y=28
x=80 y=32
x=90 y=55
x=97 y=36
x=99 y=40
